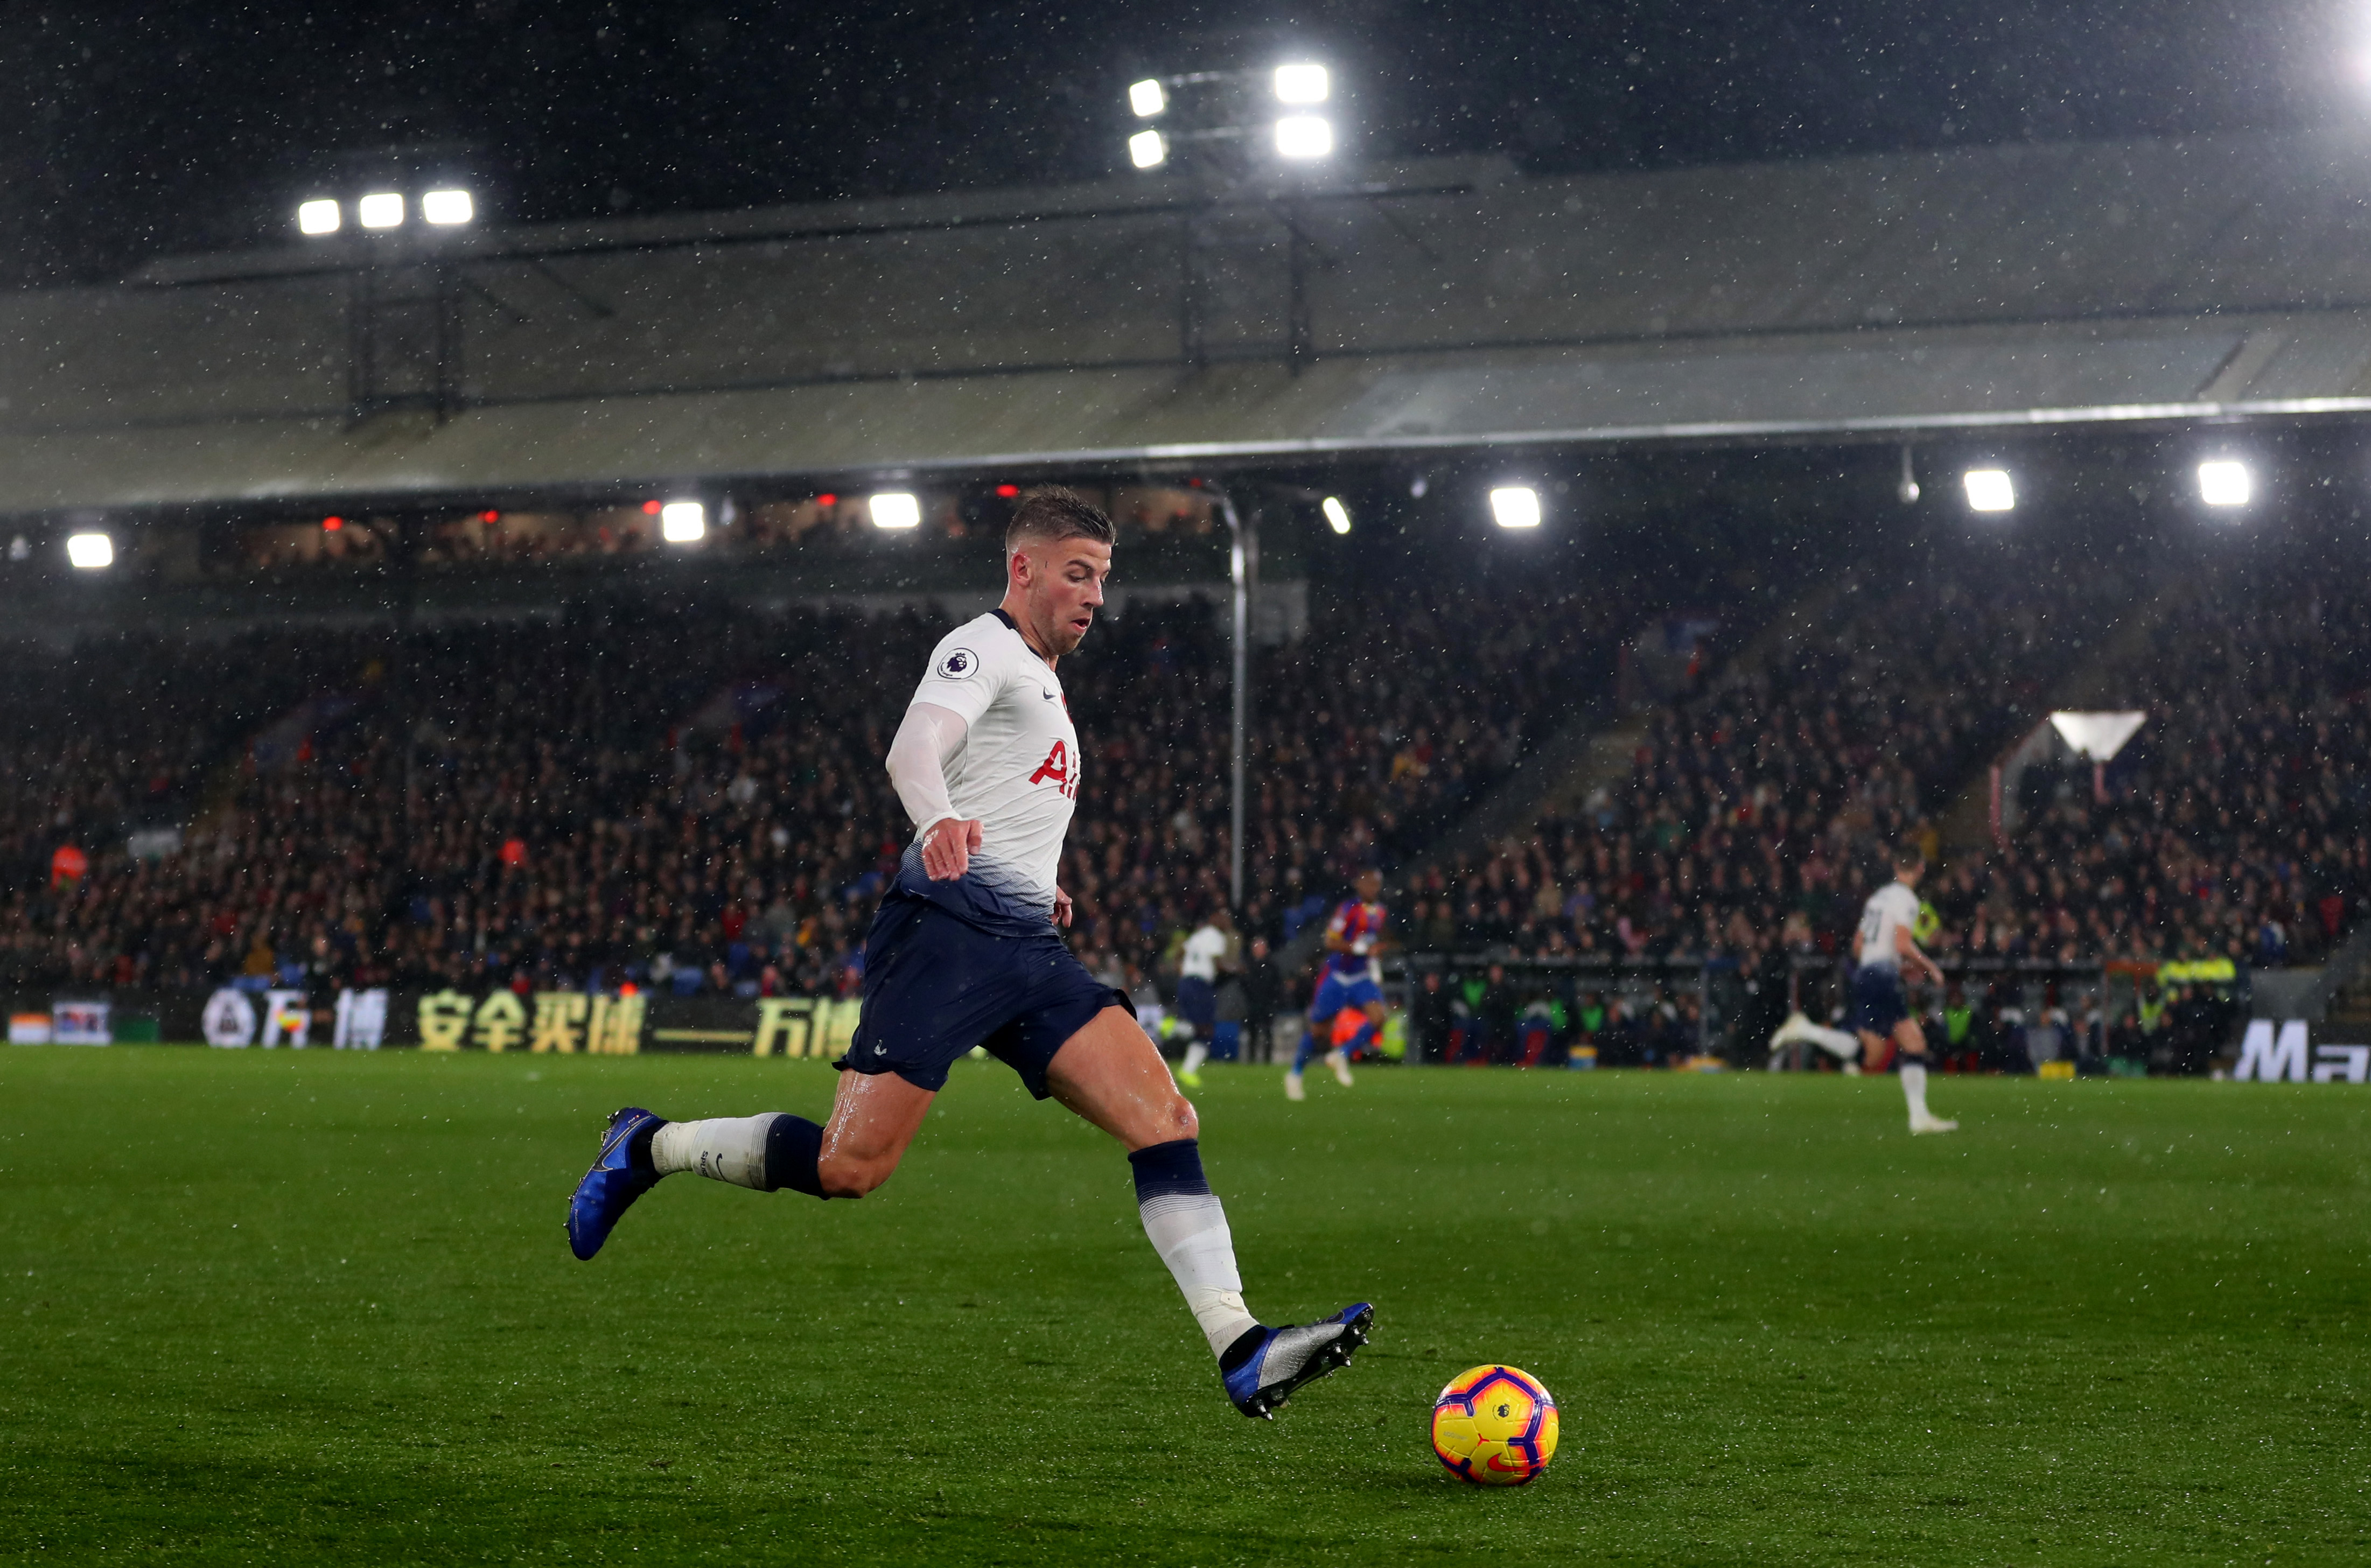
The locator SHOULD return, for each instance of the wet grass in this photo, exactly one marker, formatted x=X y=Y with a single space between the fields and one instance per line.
x=318 y=1307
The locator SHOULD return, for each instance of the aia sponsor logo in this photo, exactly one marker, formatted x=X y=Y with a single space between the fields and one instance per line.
x=1060 y=770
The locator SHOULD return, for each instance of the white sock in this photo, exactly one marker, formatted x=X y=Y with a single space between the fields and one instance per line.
x=1188 y=1229
x=723 y=1148
x=1195 y=1054
x=1913 y=1089
x=1836 y=1041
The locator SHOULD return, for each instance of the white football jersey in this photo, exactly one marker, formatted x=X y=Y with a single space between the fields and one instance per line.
x=1203 y=951
x=1016 y=772
x=1890 y=908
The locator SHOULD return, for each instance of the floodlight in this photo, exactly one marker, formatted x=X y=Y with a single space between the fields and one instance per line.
x=1338 y=516
x=1989 y=489
x=2222 y=482
x=1147 y=98
x=1303 y=136
x=319 y=216
x=1515 y=506
x=381 y=209
x=1301 y=84
x=446 y=207
x=896 y=508
x=683 y=522
x=2099 y=736
x=90 y=552
x=1147 y=149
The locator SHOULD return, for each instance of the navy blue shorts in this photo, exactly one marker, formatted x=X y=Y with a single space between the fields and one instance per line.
x=936 y=985
x=1879 y=1000
x=1198 y=1004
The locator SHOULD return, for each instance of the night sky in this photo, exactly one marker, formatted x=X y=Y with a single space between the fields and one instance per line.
x=135 y=134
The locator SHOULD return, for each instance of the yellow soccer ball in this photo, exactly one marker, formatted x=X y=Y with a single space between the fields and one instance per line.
x=1494 y=1426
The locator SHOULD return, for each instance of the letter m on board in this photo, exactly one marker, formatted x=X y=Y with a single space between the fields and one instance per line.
x=2266 y=1060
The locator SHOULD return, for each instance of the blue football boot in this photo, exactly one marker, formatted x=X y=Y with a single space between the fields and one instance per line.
x=1262 y=1372
x=621 y=1173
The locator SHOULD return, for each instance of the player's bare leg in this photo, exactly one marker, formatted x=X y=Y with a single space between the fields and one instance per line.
x=874 y=1118
x=1110 y=1074
x=1911 y=1041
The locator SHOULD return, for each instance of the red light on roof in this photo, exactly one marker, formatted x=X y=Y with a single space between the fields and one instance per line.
x=490 y=517
x=1008 y=491
x=826 y=499
x=332 y=524
x=651 y=508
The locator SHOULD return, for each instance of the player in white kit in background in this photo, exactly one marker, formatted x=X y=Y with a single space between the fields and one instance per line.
x=1880 y=1005
x=1209 y=952
x=964 y=952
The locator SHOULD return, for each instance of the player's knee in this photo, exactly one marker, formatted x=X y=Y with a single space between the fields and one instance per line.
x=1177 y=1119
x=843 y=1176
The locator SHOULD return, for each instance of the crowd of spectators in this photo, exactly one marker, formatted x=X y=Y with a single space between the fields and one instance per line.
x=1756 y=811
x=2235 y=831
x=694 y=799
x=2237 y=824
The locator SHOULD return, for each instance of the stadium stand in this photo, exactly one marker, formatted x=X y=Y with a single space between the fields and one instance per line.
x=698 y=803
x=1753 y=812
x=2233 y=834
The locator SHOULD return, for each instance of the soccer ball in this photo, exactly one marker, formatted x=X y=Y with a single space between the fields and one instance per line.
x=1494 y=1426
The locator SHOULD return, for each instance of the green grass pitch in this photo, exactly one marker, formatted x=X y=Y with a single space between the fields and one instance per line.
x=319 y=1308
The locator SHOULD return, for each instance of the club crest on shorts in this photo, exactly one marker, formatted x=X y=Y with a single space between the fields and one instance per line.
x=960 y=664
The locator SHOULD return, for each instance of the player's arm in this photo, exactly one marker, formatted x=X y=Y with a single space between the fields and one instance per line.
x=1907 y=946
x=917 y=771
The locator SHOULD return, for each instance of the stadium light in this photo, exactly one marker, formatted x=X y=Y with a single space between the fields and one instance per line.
x=1338 y=516
x=1147 y=99
x=90 y=552
x=1303 y=136
x=317 y=217
x=1989 y=489
x=2223 y=482
x=683 y=522
x=1301 y=84
x=1147 y=149
x=896 y=508
x=1515 y=506
x=446 y=208
x=380 y=209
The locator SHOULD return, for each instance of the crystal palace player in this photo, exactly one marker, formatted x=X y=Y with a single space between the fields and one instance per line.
x=963 y=952
x=1348 y=980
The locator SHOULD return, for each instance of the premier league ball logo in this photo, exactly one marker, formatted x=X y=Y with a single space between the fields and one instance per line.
x=958 y=665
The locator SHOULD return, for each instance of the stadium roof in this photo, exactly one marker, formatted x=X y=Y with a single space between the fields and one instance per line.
x=1451 y=304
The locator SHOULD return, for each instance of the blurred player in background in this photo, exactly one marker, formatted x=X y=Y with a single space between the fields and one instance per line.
x=966 y=951
x=1351 y=979
x=1209 y=952
x=1882 y=945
